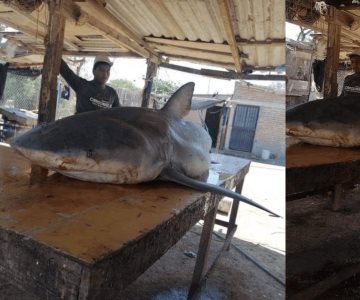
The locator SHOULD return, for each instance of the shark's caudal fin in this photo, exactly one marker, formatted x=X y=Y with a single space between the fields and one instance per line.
x=179 y=103
x=173 y=175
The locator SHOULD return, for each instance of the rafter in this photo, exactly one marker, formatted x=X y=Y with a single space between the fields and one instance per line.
x=97 y=12
x=43 y=27
x=224 y=6
x=222 y=74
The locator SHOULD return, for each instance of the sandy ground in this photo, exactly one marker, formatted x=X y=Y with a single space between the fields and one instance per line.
x=259 y=237
x=321 y=242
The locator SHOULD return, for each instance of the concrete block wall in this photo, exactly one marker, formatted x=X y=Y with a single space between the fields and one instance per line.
x=270 y=130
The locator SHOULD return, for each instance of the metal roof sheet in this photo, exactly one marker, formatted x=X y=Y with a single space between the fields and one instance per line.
x=192 y=30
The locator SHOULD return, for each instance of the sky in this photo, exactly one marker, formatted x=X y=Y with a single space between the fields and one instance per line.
x=291 y=31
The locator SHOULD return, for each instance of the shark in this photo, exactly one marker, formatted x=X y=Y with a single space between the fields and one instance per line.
x=333 y=122
x=128 y=145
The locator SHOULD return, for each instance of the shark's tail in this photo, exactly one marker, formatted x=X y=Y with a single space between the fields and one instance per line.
x=173 y=175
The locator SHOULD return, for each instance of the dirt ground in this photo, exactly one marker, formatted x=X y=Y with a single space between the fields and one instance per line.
x=321 y=242
x=254 y=268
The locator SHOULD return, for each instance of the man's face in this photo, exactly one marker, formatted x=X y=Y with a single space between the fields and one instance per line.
x=102 y=72
x=355 y=63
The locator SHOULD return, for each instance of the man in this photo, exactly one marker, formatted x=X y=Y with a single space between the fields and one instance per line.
x=94 y=94
x=352 y=82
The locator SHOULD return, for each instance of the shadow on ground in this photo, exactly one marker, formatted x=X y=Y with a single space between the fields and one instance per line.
x=321 y=243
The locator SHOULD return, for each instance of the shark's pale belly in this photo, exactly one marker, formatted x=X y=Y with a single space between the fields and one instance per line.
x=334 y=134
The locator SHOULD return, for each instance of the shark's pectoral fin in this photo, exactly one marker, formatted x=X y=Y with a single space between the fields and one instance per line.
x=175 y=176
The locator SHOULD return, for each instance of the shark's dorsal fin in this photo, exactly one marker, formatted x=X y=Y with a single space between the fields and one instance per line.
x=179 y=103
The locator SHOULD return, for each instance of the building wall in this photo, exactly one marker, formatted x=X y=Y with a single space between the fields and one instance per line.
x=270 y=130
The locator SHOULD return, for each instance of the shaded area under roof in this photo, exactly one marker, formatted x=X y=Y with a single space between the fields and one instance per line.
x=212 y=32
x=303 y=13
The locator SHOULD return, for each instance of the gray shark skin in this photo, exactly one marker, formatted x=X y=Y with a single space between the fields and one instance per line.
x=332 y=122
x=127 y=145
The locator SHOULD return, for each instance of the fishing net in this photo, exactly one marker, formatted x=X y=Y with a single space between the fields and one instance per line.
x=22 y=91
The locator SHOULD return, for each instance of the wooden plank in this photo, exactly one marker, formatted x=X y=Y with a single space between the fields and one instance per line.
x=348 y=20
x=98 y=12
x=100 y=24
x=221 y=74
x=224 y=6
x=188 y=44
x=94 y=53
x=311 y=168
x=332 y=56
x=194 y=53
x=208 y=62
x=151 y=73
x=210 y=47
x=202 y=255
x=328 y=283
x=40 y=25
x=227 y=242
x=315 y=257
x=64 y=235
x=233 y=213
x=322 y=26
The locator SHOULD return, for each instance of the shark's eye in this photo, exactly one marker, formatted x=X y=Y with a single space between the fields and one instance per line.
x=89 y=153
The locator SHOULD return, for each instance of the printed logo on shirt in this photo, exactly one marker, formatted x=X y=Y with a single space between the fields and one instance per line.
x=353 y=89
x=98 y=103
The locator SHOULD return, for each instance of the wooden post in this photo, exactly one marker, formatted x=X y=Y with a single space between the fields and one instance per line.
x=150 y=75
x=3 y=76
x=48 y=92
x=332 y=57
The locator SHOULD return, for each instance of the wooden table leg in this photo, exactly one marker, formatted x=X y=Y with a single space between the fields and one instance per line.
x=234 y=211
x=202 y=255
x=337 y=197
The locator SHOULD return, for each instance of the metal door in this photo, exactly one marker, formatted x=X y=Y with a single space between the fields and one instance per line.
x=244 y=128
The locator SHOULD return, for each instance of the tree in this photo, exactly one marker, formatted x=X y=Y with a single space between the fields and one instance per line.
x=123 y=84
x=164 y=87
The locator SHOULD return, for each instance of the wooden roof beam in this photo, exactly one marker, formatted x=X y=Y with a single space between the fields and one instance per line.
x=222 y=74
x=43 y=26
x=75 y=13
x=216 y=47
x=348 y=20
x=346 y=34
x=195 y=53
x=228 y=24
x=97 y=12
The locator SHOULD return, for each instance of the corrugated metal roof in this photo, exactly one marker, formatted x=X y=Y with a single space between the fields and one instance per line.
x=192 y=30
x=203 y=103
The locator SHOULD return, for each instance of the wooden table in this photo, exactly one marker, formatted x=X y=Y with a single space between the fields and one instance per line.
x=68 y=239
x=314 y=168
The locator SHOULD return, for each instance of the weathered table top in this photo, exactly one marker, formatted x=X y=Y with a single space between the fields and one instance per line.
x=310 y=167
x=79 y=240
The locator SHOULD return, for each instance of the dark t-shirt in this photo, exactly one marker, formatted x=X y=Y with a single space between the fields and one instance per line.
x=351 y=85
x=90 y=95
